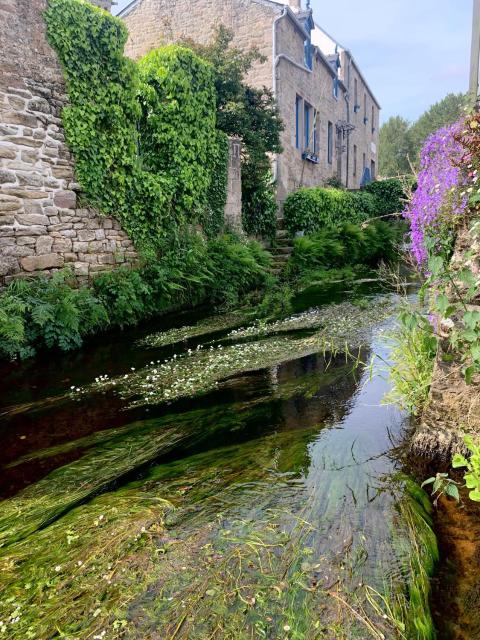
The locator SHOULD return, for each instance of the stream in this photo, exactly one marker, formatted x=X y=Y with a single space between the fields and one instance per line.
x=215 y=478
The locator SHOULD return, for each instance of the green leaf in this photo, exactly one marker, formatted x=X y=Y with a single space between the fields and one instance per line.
x=459 y=461
x=429 y=481
x=452 y=492
x=475 y=495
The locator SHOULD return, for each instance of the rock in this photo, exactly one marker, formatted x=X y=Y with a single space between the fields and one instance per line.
x=25 y=193
x=65 y=199
x=81 y=268
x=10 y=206
x=7 y=176
x=39 y=104
x=40 y=263
x=30 y=156
x=32 y=218
x=8 y=265
x=32 y=230
x=32 y=179
x=7 y=152
x=44 y=245
x=85 y=235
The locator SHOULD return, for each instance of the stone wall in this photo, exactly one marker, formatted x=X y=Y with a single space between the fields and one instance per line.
x=42 y=226
x=233 y=209
x=152 y=23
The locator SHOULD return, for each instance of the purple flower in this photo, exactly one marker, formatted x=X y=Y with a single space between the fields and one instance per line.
x=437 y=199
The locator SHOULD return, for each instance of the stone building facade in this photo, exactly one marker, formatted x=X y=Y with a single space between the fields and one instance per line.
x=42 y=225
x=325 y=134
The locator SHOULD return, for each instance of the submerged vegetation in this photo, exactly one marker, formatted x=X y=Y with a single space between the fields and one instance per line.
x=268 y=535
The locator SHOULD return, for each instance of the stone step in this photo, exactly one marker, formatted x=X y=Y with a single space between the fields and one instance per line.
x=283 y=242
x=280 y=258
x=278 y=251
x=281 y=233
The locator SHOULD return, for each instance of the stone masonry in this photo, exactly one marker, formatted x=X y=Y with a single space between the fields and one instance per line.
x=280 y=32
x=43 y=227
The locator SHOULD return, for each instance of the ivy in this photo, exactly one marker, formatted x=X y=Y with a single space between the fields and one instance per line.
x=213 y=216
x=143 y=136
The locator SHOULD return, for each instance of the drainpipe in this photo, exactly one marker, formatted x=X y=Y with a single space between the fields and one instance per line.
x=276 y=59
x=347 y=100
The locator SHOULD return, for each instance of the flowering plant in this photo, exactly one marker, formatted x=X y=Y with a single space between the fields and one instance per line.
x=438 y=201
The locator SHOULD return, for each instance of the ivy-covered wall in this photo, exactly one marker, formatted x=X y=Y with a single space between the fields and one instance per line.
x=44 y=225
x=99 y=158
x=143 y=136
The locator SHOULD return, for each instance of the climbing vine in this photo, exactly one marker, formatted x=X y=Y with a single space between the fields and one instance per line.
x=143 y=136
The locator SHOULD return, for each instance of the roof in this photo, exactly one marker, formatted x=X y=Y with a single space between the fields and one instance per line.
x=347 y=52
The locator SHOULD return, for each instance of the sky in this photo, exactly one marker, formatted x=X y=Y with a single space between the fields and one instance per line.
x=412 y=52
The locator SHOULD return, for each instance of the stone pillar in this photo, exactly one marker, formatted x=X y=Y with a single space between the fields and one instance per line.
x=233 y=208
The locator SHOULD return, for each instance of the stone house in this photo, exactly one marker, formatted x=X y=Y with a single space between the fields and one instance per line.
x=330 y=114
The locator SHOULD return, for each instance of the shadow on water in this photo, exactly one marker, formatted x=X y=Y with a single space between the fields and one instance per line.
x=270 y=506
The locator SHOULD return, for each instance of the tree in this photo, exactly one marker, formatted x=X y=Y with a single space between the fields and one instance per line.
x=395 y=147
x=251 y=114
x=443 y=113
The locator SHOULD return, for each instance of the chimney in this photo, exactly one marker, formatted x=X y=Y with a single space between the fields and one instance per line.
x=296 y=5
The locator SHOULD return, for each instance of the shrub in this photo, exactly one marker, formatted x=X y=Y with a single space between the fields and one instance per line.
x=47 y=312
x=346 y=245
x=311 y=209
x=390 y=194
x=237 y=267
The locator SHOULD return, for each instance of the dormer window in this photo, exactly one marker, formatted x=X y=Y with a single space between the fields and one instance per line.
x=335 y=88
x=308 y=54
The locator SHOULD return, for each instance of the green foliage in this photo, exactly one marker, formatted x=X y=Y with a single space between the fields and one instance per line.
x=250 y=114
x=401 y=141
x=441 y=114
x=472 y=475
x=259 y=205
x=346 y=245
x=311 y=209
x=144 y=141
x=413 y=355
x=212 y=217
x=237 y=267
x=391 y=194
x=50 y=313
x=177 y=125
x=442 y=485
x=395 y=147
x=46 y=313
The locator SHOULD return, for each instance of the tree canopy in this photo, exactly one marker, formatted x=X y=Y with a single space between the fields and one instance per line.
x=402 y=141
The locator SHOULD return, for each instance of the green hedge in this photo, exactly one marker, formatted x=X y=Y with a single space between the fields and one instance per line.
x=311 y=209
x=49 y=312
x=390 y=194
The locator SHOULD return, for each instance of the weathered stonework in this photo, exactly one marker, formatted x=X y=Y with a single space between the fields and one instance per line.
x=273 y=28
x=233 y=208
x=42 y=225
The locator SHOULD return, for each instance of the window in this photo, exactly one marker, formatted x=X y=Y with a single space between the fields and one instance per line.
x=356 y=106
x=308 y=54
x=315 y=132
x=373 y=170
x=365 y=117
x=330 y=143
x=373 y=120
x=335 y=88
x=298 y=111
x=364 y=161
x=355 y=153
x=308 y=125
